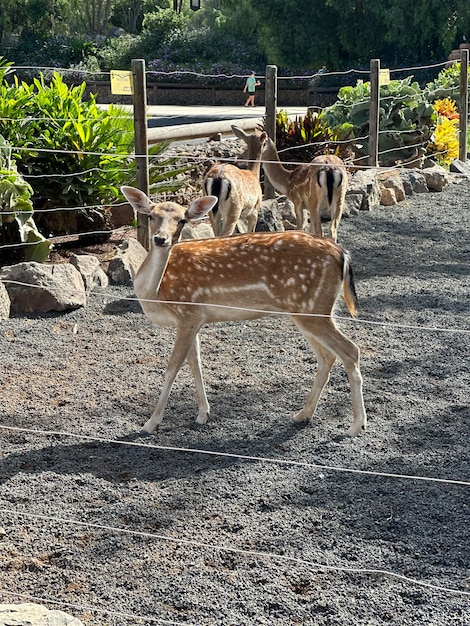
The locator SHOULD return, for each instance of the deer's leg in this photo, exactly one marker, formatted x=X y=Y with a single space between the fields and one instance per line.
x=194 y=362
x=325 y=360
x=252 y=220
x=299 y=214
x=315 y=218
x=229 y=222
x=336 y=212
x=185 y=338
x=325 y=332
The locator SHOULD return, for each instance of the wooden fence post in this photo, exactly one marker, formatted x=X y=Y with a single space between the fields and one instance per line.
x=270 y=124
x=463 y=106
x=374 y=112
x=141 y=143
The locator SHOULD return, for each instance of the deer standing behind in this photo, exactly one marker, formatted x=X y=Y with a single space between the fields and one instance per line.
x=238 y=191
x=243 y=277
x=320 y=184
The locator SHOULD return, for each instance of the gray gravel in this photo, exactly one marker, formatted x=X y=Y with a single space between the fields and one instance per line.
x=220 y=540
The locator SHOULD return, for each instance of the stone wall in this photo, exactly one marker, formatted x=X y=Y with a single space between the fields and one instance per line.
x=187 y=95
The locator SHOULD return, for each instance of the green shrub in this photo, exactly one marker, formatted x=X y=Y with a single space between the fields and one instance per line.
x=446 y=85
x=406 y=116
x=76 y=153
x=16 y=212
x=406 y=119
x=305 y=137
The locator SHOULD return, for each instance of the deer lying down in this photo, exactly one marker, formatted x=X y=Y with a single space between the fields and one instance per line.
x=321 y=184
x=238 y=191
x=243 y=277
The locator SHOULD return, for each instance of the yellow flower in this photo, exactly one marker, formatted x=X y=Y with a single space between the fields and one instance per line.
x=446 y=108
x=445 y=140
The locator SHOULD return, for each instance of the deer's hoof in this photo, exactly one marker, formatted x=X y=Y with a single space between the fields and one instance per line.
x=202 y=419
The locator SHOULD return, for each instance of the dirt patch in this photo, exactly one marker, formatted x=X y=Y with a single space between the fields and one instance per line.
x=266 y=529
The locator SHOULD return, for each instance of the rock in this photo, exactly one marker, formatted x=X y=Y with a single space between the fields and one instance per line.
x=366 y=184
x=30 y=614
x=392 y=180
x=352 y=204
x=201 y=230
x=287 y=210
x=5 y=303
x=460 y=167
x=388 y=197
x=43 y=287
x=90 y=270
x=126 y=262
x=269 y=217
x=436 y=178
x=413 y=182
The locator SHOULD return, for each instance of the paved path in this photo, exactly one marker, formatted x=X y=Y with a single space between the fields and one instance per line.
x=182 y=123
x=171 y=115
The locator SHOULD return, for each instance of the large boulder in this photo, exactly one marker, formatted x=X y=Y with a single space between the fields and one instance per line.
x=366 y=184
x=90 y=270
x=269 y=217
x=38 y=288
x=436 y=177
x=413 y=182
x=126 y=262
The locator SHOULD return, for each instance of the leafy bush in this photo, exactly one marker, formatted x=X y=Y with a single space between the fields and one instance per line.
x=446 y=85
x=16 y=211
x=77 y=154
x=158 y=29
x=406 y=118
x=305 y=137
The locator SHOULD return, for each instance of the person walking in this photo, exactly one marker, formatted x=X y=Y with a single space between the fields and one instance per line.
x=250 y=87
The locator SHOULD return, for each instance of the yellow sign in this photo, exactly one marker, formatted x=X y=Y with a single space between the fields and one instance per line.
x=384 y=77
x=122 y=83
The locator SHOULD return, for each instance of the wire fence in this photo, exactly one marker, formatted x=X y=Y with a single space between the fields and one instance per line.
x=66 y=522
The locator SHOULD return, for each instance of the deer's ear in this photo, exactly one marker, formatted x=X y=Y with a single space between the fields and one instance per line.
x=200 y=207
x=239 y=132
x=138 y=199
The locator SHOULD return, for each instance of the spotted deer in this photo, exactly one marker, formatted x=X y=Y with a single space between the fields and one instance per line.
x=320 y=184
x=243 y=277
x=238 y=191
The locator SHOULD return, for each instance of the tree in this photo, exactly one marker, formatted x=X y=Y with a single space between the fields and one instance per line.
x=346 y=33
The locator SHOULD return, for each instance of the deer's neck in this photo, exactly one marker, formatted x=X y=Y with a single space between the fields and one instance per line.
x=255 y=166
x=277 y=174
x=149 y=276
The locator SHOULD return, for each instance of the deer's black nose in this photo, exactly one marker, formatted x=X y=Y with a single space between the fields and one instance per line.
x=160 y=239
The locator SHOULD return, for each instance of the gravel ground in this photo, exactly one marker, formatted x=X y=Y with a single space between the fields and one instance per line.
x=116 y=527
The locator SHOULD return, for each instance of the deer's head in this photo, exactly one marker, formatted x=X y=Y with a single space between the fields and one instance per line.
x=166 y=219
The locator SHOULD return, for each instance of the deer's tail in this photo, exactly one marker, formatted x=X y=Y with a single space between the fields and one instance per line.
x=330 y=179
x=349 y=289
x=220 y=187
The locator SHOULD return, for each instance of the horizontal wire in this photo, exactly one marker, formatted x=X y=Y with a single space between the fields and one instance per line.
x=264 y=312
x=241 y=457
x=284 y=558
x=81 y=173
x=70 y=70
x=66 y=209
x=202 y=75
